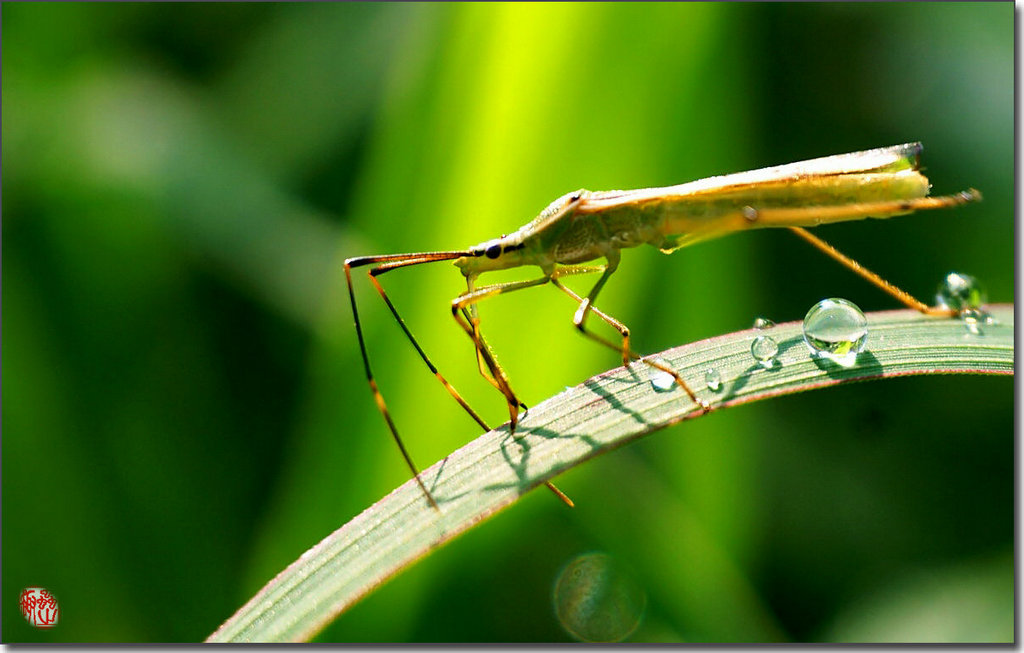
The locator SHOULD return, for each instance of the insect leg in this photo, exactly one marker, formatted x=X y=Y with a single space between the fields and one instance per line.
x=471 y=325
x=423 y=355
x=586 y=306
x=480 y=346
x=494 y=373
x=627 y=354
x=794 y=217
x=901 y=295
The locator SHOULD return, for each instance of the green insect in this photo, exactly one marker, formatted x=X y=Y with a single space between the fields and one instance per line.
x=584 y=226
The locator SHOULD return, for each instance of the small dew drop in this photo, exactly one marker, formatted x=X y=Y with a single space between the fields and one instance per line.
x=837 y=330
x=763 y=323
x=661 y=381
x=765 y=349
x=974 y=319
x=959 y=291
x=712 y=379
x=749 y=213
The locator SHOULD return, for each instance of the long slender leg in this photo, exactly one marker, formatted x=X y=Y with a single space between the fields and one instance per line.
x=423 y=355
x=474 y=296
x=901 y=295
x=471 y=325
x=480 y=346
x=627 y=354
x=391 y=262
x=793 y=217
x=586 y=306
x=494 y=373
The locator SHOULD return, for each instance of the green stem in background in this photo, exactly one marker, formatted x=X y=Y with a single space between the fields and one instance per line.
x=602 y=413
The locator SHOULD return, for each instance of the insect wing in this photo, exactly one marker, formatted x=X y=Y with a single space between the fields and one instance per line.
x=881 y=160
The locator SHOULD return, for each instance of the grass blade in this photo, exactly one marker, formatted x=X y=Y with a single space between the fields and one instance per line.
x=600 y=414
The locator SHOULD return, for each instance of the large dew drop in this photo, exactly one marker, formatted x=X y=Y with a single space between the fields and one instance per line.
x=835 y=329
x=960 y=291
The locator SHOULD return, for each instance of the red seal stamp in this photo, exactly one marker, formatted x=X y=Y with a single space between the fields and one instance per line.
x=39 y=607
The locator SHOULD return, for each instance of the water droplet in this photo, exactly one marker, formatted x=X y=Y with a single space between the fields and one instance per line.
x=661 y=381
x=974 y=319
x=750 y=213
x=712 y=379
x=763 y=323
x=837 y=330
x=765 y=349
x=959 y=291
x=596 y=600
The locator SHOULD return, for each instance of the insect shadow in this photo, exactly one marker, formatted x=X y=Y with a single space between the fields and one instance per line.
x=516 y=448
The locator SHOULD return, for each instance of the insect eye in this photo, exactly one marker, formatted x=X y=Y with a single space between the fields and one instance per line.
x=494 y=251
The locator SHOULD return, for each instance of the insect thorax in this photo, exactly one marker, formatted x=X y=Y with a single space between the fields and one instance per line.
x=592 y=235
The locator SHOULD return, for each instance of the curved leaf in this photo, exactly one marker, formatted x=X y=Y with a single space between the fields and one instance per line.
x=598 y=415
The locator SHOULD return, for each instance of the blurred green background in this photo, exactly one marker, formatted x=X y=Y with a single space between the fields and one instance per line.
x=184 y=406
